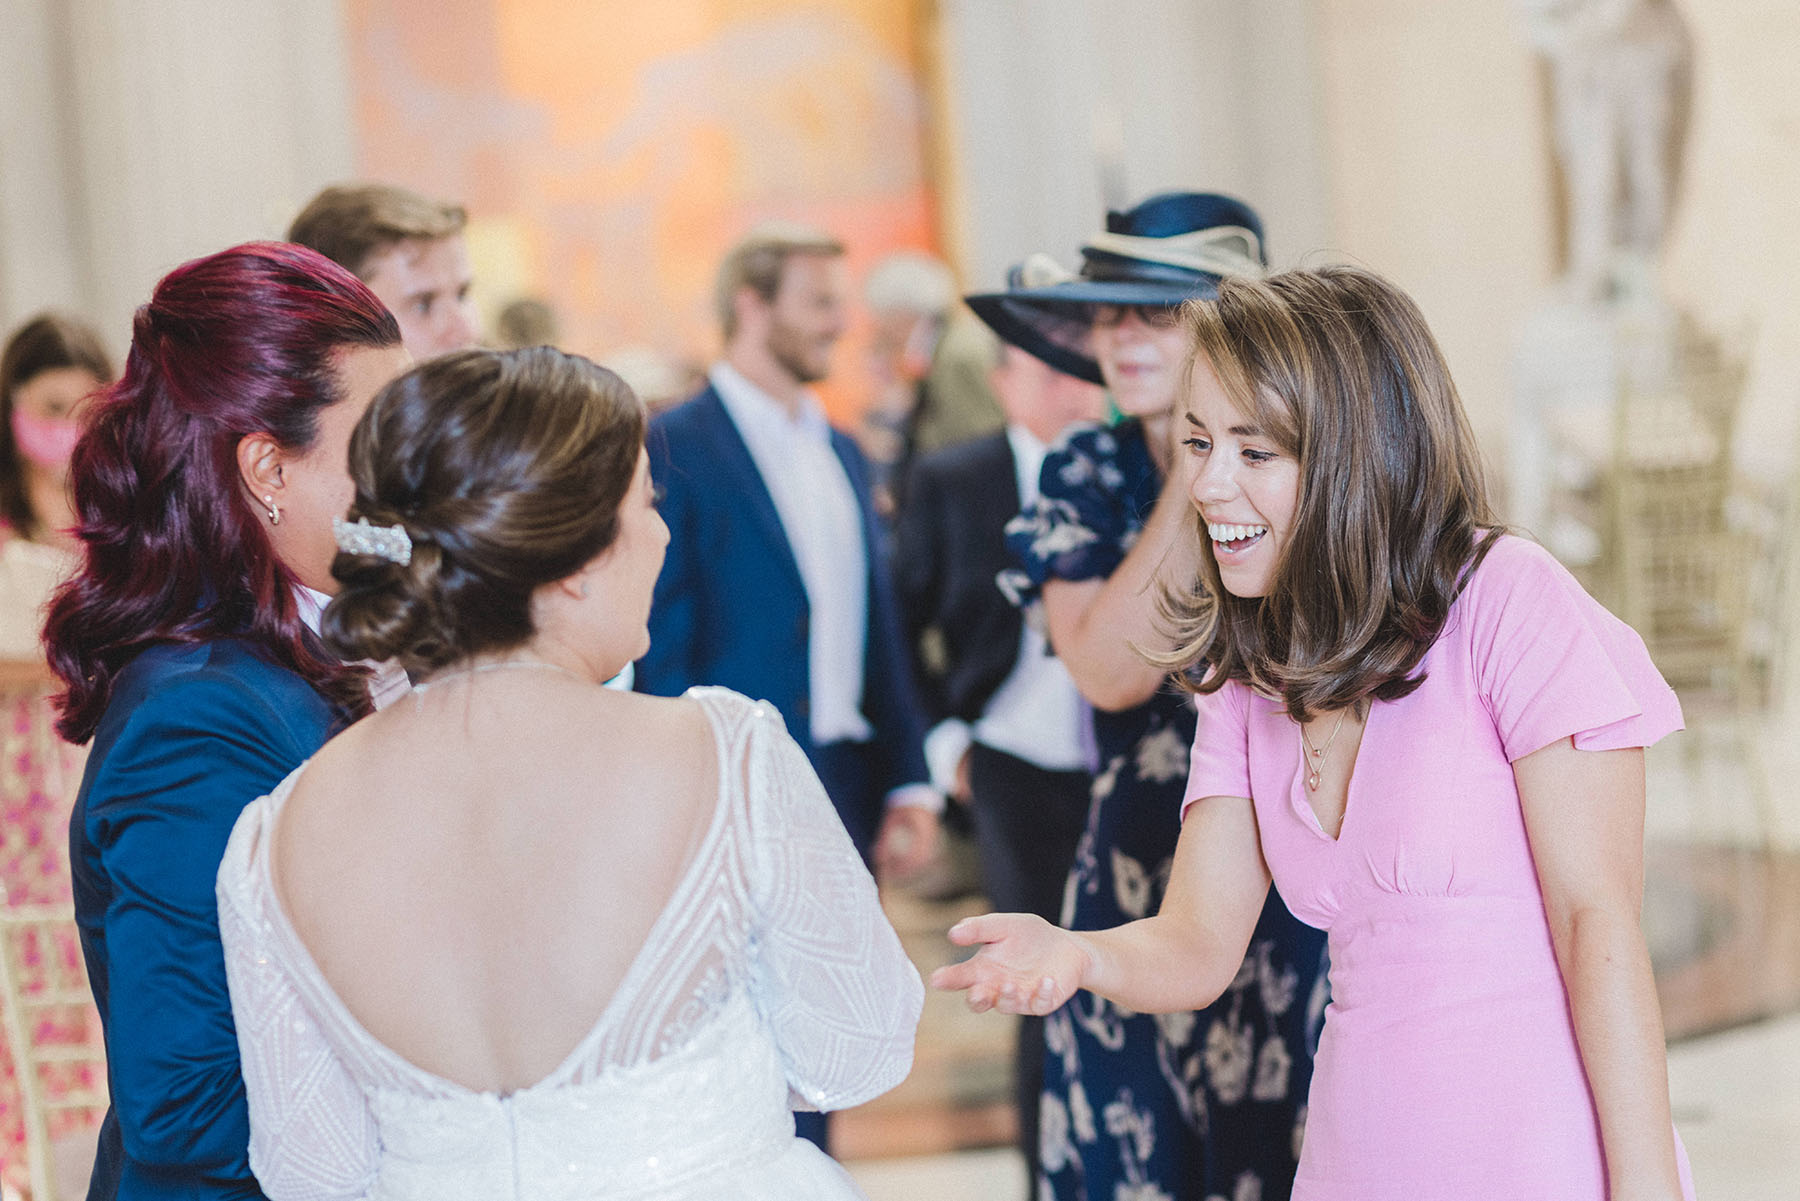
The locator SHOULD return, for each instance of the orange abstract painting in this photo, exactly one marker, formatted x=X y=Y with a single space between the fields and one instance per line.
x=609 y=152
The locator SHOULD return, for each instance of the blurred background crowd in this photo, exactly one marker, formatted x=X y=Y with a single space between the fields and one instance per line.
x=1591 y=200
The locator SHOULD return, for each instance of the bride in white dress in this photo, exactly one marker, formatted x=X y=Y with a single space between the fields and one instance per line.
x=521 y=936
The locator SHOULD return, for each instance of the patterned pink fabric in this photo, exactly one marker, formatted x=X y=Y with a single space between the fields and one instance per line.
x=39 y=775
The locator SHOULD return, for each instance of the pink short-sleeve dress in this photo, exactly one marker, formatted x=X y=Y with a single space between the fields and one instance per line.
x=1448 y=1067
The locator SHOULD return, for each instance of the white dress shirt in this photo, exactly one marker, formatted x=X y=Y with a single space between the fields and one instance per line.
x=388 y=684
x=823 y=524
x=819 y=514
x=1037 y=713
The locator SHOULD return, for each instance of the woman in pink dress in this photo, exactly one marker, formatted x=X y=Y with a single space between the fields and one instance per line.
x=1430 y=738
x=48 y=369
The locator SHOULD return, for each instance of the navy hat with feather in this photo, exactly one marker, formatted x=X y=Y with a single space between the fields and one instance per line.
x=1171 y=248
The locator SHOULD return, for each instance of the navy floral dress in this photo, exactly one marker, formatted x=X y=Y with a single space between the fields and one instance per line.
x=1175 y=1107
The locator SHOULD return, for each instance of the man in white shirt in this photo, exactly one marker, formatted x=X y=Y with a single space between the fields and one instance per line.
x=774 y=584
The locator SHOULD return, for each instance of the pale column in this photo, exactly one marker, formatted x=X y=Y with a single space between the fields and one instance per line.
x=181 y=127
x=1440 y=179
x=39 y=266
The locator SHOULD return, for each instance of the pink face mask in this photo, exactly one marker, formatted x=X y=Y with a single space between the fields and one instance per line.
x=47 y=442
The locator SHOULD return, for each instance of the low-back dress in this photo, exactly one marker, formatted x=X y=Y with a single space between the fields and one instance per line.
x=1448 y=1067
x=770 y=980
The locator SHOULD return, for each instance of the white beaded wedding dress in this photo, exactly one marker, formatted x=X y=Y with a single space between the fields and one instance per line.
x=771 y=980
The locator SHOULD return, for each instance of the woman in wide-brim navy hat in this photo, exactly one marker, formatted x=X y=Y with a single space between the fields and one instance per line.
x=1189 y=1105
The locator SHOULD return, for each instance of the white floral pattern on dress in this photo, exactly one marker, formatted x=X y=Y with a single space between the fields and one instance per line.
x=1131 y=884
x=1278 y=985
x=1162 y=757
x=1055 y=1151
x=1273 y=1064
x=1081 y=1114
x=1230 y=1052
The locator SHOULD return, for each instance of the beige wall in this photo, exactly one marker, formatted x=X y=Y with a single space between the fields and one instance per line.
x=1439 y=175
x=1734 y=258
x=1401 y=135
x=134 y=136
x=1059 y=109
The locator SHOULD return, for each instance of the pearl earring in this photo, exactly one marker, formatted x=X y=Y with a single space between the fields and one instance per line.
x=274 y=513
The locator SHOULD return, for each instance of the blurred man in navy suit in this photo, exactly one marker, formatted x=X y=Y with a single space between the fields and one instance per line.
x=775 y=583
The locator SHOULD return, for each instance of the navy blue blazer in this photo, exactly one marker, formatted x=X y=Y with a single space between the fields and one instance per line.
x=731 y=608
x=191 y=736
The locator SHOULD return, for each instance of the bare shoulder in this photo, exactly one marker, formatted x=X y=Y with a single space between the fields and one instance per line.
x=670 y=738
x=681 y=719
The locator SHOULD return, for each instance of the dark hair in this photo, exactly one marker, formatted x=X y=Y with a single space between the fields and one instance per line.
x=507 y=470
x=241 y=342
x=46 y=342
x=527 y=321
x=352 y=223
x=1340 y=369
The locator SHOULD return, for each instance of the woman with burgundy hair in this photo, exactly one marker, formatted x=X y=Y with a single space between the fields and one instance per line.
x=205 y=485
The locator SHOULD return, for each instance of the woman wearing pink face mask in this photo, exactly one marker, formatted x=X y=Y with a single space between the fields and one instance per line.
x=49 y=367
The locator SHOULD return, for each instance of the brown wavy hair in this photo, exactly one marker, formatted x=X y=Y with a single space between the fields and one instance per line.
x=507 y=470
x=352 y=223
x=1340 y=368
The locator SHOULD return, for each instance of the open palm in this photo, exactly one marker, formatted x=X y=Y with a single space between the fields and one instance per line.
x=1024 y=965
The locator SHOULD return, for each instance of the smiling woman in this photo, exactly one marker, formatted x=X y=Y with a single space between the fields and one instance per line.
x=1377 y=489
x=1245 y=485
x=1430 y=739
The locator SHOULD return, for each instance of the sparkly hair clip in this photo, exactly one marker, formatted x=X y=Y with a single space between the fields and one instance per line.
x=383 y=541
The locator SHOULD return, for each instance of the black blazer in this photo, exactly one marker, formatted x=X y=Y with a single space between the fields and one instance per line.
x=950 y=542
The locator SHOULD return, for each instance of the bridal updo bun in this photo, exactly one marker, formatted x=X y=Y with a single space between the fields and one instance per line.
x=506 y=469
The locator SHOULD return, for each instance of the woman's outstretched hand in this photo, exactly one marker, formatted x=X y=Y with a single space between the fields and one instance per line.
x=1025 y=965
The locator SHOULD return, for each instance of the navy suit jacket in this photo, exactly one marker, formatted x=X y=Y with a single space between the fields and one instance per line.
x=191 y=736
x=731 y=608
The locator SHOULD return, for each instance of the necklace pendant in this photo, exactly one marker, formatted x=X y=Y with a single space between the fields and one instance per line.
x=1318 y=752
x=1312 y=780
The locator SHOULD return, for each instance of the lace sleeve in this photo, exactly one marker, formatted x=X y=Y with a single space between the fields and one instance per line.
x=312 y=1137
x=831 y=980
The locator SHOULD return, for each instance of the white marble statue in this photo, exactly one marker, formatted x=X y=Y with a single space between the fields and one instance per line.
x=1620 y=74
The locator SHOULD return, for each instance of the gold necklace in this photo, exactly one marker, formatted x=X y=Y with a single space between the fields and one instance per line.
x=1314 y=756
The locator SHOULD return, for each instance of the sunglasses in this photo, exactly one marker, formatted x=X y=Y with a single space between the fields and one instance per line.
x=1156 y=316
